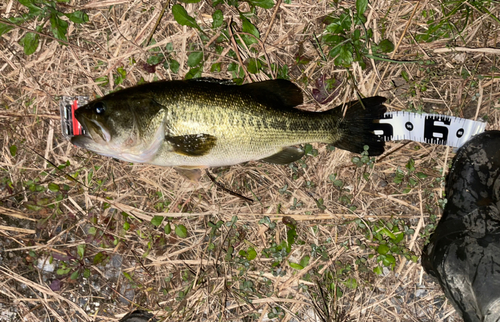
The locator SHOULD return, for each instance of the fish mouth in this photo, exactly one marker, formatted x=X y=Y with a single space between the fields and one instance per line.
x=94 y=133
x=94 y=129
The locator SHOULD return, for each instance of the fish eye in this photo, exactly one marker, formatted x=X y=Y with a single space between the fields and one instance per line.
x=99 y=108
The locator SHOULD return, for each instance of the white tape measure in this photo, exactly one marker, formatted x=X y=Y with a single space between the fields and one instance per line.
x=427 y=128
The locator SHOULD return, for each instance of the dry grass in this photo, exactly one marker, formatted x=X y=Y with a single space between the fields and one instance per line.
x=463 y=81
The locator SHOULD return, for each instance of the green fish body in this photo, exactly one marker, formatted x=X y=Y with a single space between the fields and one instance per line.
x=203 y=123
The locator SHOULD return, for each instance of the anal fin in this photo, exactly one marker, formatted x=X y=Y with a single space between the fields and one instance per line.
x=192 y=173
x=285 y=156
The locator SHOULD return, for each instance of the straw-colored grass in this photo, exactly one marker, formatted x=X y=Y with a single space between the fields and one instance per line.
x=182 y=279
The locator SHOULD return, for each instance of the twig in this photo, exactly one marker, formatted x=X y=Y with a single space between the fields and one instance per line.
x=226 y=189
x=493 y=51
x=236 y=51
x=276 y=8
x=158 y=22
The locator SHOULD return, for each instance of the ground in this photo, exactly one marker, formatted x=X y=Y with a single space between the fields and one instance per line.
x=328 y=238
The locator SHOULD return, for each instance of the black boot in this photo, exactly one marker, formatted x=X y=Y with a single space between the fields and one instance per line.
x=464 y=251
x=138 y=316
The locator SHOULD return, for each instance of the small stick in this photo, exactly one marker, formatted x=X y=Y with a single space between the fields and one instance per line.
x=272 y=20
x=157 y=22
x=226 y=189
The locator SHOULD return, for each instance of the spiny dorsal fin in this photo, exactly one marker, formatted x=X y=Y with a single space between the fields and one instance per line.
x=279 y=93
x=193 y=145
x=285 y=156
x=213 y=80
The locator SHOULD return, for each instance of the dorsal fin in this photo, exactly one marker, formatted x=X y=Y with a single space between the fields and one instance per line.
x=212 y=80
x=279 y=93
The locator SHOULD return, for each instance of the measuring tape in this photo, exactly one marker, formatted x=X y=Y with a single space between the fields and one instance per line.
x=393 y=126
x=427 y=128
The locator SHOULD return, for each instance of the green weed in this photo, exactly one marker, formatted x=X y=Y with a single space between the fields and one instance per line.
x=40 y=12
x=348 y=39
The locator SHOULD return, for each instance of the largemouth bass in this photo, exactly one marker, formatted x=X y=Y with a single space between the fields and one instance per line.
x=200 y=123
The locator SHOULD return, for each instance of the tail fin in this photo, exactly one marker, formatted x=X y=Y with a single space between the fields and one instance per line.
x=358 y=125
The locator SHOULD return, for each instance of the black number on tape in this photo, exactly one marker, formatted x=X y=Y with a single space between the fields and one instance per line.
x=409 y=126
x=386 y=128
x=435 y=133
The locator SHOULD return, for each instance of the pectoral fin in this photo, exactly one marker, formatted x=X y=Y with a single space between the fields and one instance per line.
x=285 y=156
x=193 y=145
x=193 y=174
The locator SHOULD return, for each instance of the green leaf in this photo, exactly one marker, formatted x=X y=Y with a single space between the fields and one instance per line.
x=120 y=77
x=399 y=238
x=181 y=231
x=345 y=58
x=77 y=17
x=157 y=220
x=386 y=46
x=333 y=40
x=5 y=28
x=382 y=249
x=174 y=66
x=81 y=250
x=254 y=65
x=290 y=238
x=295 y=266
x=251 y=29
x=378 y=270
x=305 y=261
x=421 y=175
x=34 y=10
x=128 y=276
x=190 y=1
x=33 y=207
x=251 y=254
x=266 y=4
x=229 y=254
x=74 y=275
x=388 y=233
x=53 y=187
x=154 y=60
x=63 y=271
x=98 y=258
x=361 y=7
x=92 y=231
x=126 y=226
x=102 y=81
x=13 y=150
x=29 y=42
x=351 y=283
x=58 y=27
x=194 y=73
x=182 y=17
x=168 y=229
x=218 y=19
x=215 y=68
x=389 y=260
x=194 y=58
x=86 y=273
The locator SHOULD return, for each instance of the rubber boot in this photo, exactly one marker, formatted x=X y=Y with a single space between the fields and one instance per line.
x=139 y=316
x=464 y=251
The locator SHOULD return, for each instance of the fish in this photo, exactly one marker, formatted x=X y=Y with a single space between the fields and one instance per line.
x=205 y=122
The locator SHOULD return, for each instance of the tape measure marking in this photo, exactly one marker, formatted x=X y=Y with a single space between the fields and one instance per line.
x=427 y=128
